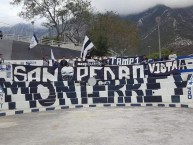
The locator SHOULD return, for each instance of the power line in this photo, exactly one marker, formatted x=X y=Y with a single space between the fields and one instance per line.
x=11 y=17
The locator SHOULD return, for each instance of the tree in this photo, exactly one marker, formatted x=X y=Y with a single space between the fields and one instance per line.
x=165 y=53
x=68 y=17
x=110 y=32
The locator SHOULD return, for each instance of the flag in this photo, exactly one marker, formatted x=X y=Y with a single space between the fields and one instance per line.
x=52 y=57
x=86 y=48
x=34 y=42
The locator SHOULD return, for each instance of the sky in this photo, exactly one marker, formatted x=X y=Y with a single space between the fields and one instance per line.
x=9 y=14
x=135 y=6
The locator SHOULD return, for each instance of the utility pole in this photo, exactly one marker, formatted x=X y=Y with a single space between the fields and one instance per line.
x=158 y=19
x=149 y=47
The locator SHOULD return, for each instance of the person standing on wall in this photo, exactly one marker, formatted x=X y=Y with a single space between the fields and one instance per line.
x=76 y=62
x=63 y=62
x=1 y=59
x=71 y=62
x=45 y=61
x=55 y=64
x=172 y=56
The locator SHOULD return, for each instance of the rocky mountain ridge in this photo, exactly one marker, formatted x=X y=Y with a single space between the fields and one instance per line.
x=23 y=29
x=176 y=28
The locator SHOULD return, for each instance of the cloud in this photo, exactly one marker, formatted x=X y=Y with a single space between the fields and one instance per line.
x=9 y=13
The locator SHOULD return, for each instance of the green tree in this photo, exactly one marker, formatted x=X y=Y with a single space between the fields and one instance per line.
x=68 y=17
x=164 y=51
x=111 y=33
x=102 y=46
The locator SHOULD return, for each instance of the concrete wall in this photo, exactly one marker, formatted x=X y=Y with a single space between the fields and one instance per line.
x=33 y=95
x=16 y=50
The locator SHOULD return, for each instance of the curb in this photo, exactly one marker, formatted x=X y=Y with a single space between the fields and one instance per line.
x=35 y=110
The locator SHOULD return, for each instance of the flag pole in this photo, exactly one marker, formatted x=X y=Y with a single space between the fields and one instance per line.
x=41 y=51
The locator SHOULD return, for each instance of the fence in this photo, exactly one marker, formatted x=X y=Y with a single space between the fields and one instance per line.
x=43 y=41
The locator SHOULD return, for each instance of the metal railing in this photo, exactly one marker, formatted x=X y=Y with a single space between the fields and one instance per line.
x=44 y=41
x=17 y=37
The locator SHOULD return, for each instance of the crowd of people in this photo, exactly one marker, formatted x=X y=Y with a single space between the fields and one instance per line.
x=95 y=61
x=98 y=61
x=74 y=62
x=170 y=57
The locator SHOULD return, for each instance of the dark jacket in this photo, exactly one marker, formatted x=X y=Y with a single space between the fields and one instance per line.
x=63 y=63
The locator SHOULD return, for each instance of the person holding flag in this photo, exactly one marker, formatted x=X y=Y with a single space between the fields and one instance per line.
x=45 y=61
x=63 y=62
x=55 y=62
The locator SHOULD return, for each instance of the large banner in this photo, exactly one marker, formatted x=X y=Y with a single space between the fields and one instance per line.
x=43 y=73
x=118 y=61
x=125 y=60
x=162 y=68
x=83 y=73
x=185 y=64
x=89 y=62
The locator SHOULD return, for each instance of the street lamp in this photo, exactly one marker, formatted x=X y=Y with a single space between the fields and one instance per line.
x=32 y=22
x=52 y=31
x=158 y=19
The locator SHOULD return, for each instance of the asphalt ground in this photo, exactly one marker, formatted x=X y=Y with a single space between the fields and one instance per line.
x=6 y=48
x=21 y=52
x=16 y=50
x=100 y=126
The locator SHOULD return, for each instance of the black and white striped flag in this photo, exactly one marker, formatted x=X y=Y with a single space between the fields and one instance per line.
x=86 y=48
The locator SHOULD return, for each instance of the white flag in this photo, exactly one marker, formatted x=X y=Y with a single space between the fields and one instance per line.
x=34 y=42
x=87 y=46
x=52 y=57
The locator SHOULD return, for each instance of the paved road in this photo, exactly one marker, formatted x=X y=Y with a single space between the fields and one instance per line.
x=15 y=50
x=21 y=52
x=100 y=126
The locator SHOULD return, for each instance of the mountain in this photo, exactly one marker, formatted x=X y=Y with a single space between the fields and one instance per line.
x=25 y=30
x=176 y=29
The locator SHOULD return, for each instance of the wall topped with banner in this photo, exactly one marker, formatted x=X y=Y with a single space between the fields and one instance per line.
x=18 y=72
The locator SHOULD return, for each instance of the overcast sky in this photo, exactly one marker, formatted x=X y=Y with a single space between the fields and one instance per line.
x=8 y=15
x=134 y=6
